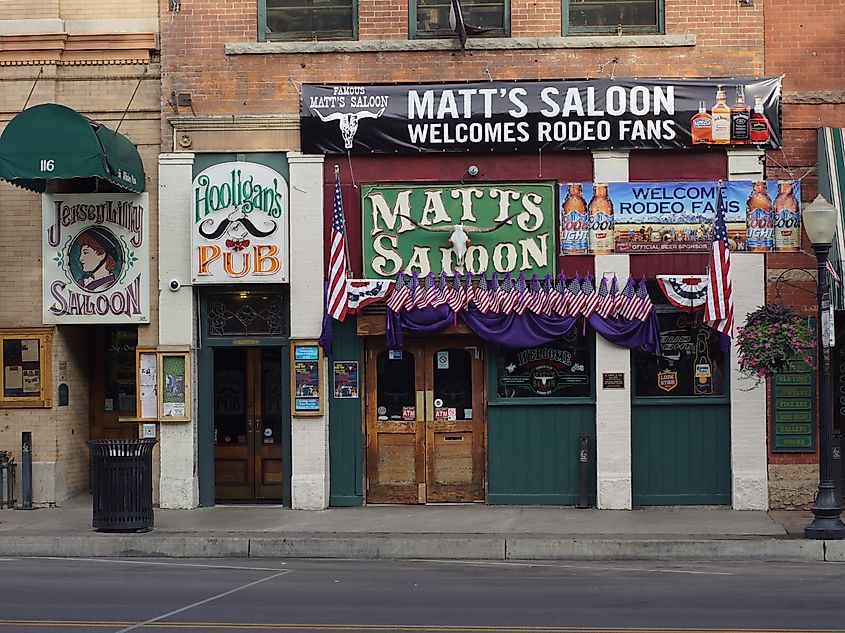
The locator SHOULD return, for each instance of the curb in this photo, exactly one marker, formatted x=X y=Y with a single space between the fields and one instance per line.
x=465 y=547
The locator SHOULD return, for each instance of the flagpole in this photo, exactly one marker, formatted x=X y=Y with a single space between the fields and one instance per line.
x=345 y=241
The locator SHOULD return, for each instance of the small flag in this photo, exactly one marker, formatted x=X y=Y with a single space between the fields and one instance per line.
x=337 y=304
x=832 y=270
x=719 y=307
x=459 y=26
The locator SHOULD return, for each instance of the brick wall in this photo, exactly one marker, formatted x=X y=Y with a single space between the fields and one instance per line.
x=193 y=41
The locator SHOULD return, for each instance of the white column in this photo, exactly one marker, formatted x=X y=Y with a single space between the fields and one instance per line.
x=749 y=476
x=613 y=406
x=179 y=486
x=309 y=436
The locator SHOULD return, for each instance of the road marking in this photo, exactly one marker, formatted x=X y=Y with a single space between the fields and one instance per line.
x=201 y=602
x=155 y=562
x=654 y=570
x=377 y=628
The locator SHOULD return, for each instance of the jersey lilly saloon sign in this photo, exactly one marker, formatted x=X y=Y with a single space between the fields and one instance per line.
x=527 y=116
x=95 y=254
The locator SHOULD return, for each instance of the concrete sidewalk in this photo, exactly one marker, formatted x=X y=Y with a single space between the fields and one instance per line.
x=441 y=531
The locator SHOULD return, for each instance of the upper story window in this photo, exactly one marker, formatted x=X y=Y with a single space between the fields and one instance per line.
x=430 y=18
x=308 y=19
x=621 y=17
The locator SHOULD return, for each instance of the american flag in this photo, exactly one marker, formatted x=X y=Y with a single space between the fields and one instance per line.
x=591 y=297
x=337 y=302
x=628 y=305
x=644 y=304
x=719 y=308
x=401 y=294
x=605 y=304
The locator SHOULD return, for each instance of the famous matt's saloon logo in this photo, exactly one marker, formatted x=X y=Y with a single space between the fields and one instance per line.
x=240 y=215
x=95 y=258
x=348 y=105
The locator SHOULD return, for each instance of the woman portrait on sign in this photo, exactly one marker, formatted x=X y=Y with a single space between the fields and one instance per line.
x=98 y=255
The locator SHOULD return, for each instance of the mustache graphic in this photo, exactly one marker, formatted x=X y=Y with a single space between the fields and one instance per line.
x=224 y=224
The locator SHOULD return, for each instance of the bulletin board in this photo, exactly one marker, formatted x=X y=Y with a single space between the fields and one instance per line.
x=174 y=386
x=147 y=372
x=306 y=378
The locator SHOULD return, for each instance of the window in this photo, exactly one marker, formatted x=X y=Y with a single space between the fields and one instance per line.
x=26 y=360
x=560 y=369
x=430 y=18
x=614 y=16
x=693 y=363
x=308 y=19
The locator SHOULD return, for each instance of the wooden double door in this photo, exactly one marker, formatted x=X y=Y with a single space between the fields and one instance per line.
x=248 y=424
x=425 y=422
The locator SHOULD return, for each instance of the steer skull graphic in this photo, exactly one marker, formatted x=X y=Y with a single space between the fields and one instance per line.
x=459 y=235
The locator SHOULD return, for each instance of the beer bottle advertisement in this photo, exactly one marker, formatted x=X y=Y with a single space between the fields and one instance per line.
x=677 y=217
x=787 y=218
x=573 y=220
x=601 y=231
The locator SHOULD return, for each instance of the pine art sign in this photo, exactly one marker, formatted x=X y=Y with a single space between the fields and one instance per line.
x=240 y=232
x=529 y=116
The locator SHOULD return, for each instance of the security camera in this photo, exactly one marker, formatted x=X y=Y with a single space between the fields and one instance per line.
x=472 y=170
x=175 y=284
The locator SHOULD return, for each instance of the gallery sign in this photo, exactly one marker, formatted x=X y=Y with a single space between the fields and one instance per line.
x=529 y=116
x=240 y=225
x=677 y=217
x=440 y=227
x=95 y=258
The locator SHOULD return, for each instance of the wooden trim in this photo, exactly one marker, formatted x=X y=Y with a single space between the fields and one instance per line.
x=43 y=400
x=374 y=325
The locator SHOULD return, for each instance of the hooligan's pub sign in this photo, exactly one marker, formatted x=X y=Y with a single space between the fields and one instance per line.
x=439 y=227
x=240 y=225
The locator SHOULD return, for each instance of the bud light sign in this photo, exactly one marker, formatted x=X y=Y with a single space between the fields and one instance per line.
x=648 y=217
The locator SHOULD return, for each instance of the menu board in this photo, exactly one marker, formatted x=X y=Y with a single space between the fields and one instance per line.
x=793 y=409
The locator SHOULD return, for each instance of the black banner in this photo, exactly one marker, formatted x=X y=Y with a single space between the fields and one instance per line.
x=527 y=116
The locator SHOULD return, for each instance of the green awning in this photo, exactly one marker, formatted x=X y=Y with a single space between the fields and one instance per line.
x=832 y=187
x=53 y=142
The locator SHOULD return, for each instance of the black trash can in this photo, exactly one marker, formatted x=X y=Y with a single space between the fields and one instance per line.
x=122 y=484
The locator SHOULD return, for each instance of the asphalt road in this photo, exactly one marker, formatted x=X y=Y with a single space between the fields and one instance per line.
x=53 y=595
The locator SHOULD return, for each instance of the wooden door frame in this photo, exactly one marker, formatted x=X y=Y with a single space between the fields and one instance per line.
x=422 y=348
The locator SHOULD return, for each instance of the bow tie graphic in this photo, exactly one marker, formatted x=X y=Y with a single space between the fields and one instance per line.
x=237 y=245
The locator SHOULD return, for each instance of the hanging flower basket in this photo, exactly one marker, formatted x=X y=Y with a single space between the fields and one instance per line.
x=772 y=335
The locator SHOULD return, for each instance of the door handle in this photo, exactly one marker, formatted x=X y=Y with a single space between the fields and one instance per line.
x=420 y=412
x=429 y=402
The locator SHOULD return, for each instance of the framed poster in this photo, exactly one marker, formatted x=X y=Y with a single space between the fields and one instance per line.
x=306 y=361
x=173 y=386
x=345 y=373
x=147 y=372
x=26 y=357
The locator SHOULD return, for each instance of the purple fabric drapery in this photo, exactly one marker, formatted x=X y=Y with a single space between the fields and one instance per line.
x=419 y=321
x=514 y=330
x=631 y=333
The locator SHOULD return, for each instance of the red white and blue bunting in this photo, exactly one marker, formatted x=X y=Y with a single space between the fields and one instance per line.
x=685 y=292
x=362 y=292
x=551 y=296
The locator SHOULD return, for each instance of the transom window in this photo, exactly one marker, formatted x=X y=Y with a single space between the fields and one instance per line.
x=308 y=19
x=430 y=18
x=614 y=16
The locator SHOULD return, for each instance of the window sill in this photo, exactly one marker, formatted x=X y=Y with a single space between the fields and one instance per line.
x=473 y=44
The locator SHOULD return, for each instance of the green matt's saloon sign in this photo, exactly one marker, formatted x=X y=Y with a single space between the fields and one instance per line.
x=454 y=227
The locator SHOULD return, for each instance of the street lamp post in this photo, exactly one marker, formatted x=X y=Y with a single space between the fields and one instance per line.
x=819 y=220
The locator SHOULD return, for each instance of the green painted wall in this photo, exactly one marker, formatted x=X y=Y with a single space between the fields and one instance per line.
x=533 y=453
x=345 y=426
x=681 y=454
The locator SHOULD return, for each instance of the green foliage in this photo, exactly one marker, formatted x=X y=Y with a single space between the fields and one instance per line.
x=772 y=335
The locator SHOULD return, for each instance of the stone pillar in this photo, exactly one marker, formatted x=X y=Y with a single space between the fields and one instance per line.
x=309 y=436
x=749 y=476
x=613 y=407
x=179 y=486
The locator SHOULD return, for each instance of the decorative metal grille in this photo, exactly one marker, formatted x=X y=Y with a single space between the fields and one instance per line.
x=246 y=314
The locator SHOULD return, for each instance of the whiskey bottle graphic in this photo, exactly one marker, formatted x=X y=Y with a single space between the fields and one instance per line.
x=600 y=235
x=574 y=222
x=721 y=115
x=740 y=119
x=701 y=125
x=759 y=124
